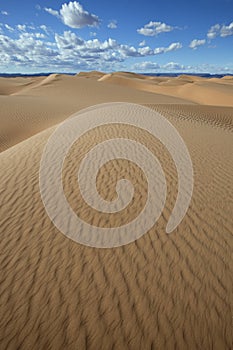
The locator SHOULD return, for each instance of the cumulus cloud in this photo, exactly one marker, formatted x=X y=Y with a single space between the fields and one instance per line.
x=108 y=49
x=171 y=47
x=26 y=50
x=149 y=66
x=153 y=66
x=68 y=50
x=128 y=51
x=44 y=28
x=214 y=31
x=146 y=66
x=196 y=42
x=30 y=36
x=131 y=51
x=52 y=12
x=142 y=43
x=21 y=27
x=9 y=28
x=4 y=13
x=33 y=31
x=73 y=15
x=39 y=35
x=220 y=30
x=226 y=30
x=68 y=41
x=173 y=66
x=155 y=28
x=112 y=24
x=146 y=51
x=72 y=48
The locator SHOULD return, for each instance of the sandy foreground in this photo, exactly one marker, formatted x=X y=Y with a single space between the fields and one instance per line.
x=159 y=292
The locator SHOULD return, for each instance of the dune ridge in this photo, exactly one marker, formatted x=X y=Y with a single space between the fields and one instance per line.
x=45 y=101
x=195 y=89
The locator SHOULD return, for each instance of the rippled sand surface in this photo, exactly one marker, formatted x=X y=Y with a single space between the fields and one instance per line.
x=159 y=292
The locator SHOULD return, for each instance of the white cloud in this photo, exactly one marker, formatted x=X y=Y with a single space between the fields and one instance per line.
x=142 y=43
x=71 y=53
x=31 y=36
x=227 y=30
x=220 y=30
x=159 y=50
x=26 y=50
x=155 y=28
x=131 y=51
x=68 y=51
x=21 y=27
x=108 y=49
x=9 y=28
x=4 y=13
x=112 y=24
x=44 y=28
x=173 y=66
x=214 y=31
x=148 y=66
x=39 y=35
x=170 y=67
x=146 y=51
x=120 y=52
x=196 y=42
x=171 y=47
x=97 y=46
x=52 y=12
x=74 y=16
x=68 y=41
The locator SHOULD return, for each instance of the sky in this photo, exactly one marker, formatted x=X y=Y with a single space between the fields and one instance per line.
x=127 y=35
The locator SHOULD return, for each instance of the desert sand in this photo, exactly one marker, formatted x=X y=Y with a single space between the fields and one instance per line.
x=159 y=292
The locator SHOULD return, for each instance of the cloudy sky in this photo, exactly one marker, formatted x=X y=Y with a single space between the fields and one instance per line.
x=132 y=35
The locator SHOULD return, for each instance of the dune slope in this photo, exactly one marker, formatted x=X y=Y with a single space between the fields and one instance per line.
x=46 y=101
x=194 y=89
x=160 y=292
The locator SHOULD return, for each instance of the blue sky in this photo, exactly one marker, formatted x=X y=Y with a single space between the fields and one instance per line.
x=142 y=36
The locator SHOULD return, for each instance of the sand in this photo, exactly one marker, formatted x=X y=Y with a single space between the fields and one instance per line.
x=216 y=92
x=159 y=292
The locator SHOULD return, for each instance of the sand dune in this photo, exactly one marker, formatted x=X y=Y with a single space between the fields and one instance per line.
x=10 y=86
x=227 y=77
x=160 y=292
x=193 y=89
x=46 y=101
x=91 y=74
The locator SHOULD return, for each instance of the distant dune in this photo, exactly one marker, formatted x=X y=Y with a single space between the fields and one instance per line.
x=92 y=74
x=34 y=104
x=192 y=88
x=227 y=77
x=159 y=292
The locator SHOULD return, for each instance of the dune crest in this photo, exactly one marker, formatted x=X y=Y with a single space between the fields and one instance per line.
x=192 y=88
x=91 y=74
